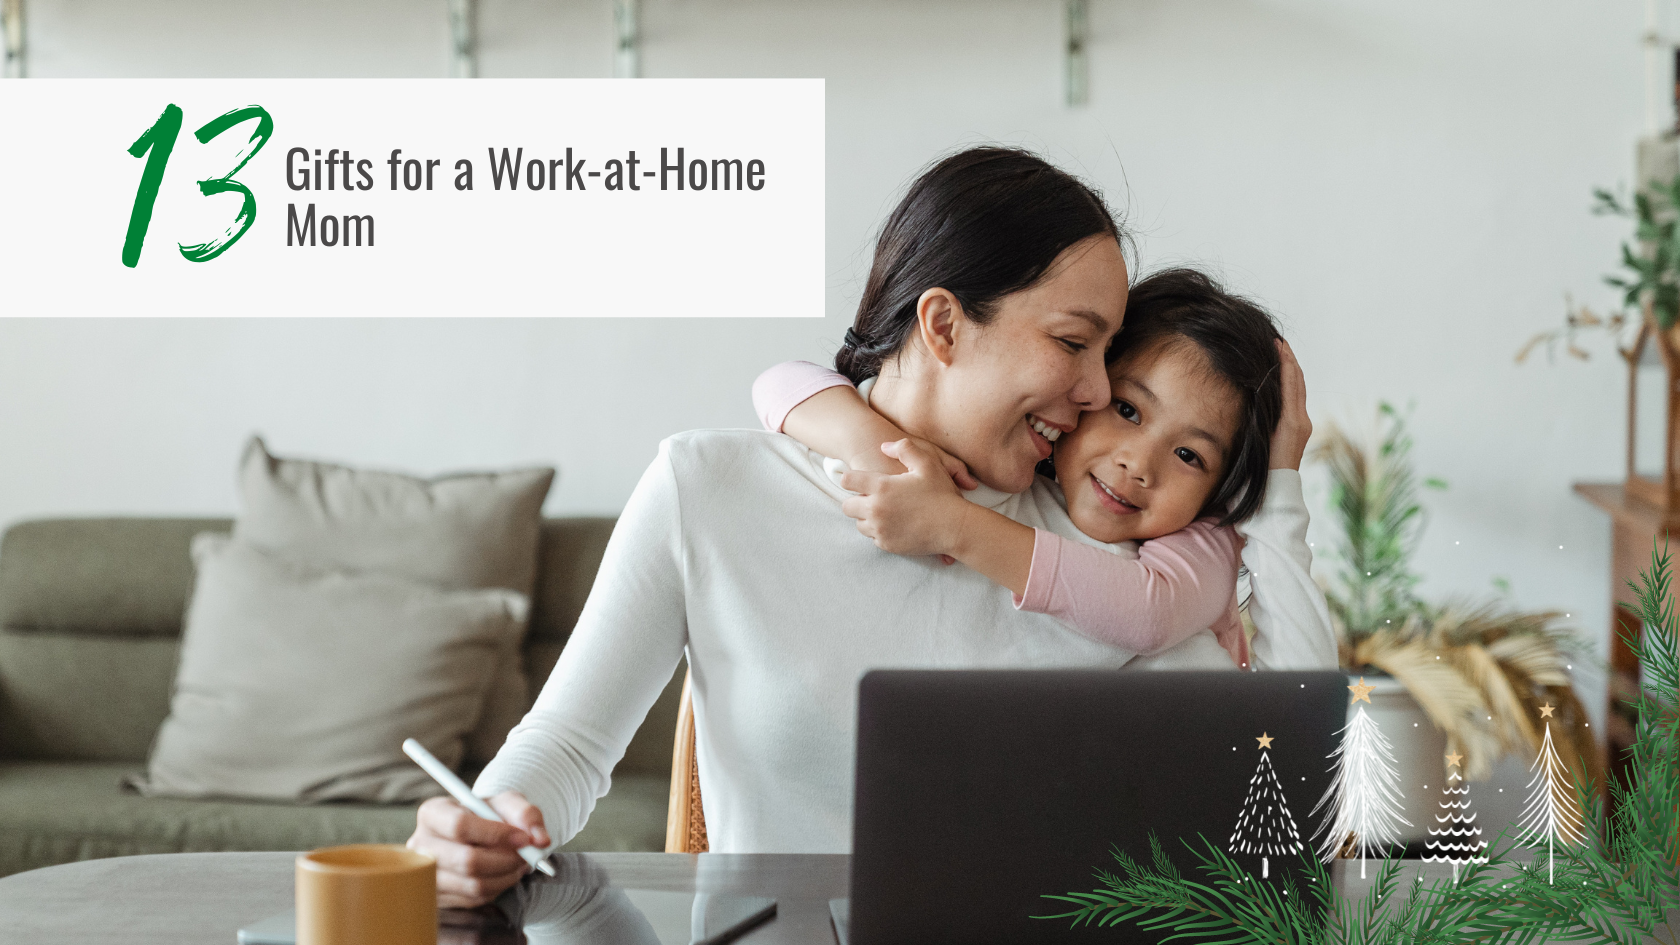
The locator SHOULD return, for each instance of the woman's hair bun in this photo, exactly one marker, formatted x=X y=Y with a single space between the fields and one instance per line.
x=980 y=224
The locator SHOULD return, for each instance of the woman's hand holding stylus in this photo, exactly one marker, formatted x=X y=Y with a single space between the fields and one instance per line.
x=477 y=859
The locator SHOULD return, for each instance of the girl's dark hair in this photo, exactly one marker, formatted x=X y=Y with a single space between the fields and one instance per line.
x=981 y=224
x=1183 y=306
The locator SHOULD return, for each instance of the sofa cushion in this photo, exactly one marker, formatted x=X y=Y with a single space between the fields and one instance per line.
x=86 y=605
x=69 y=697
x=568 y=555
x=464 y=530
x=99 y=576
x=300 y=684
x=58 y=812
x=460 y=531
x=105 y=577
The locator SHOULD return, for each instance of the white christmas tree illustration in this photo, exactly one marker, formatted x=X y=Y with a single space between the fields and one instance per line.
x=1265 y=825
x=1550 y=816
x=1364 y=796
x=1456 y=838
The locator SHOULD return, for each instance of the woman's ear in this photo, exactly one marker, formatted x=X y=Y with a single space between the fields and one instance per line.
x=938 y=314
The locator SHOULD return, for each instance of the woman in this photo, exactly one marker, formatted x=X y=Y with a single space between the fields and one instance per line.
x=997 y=285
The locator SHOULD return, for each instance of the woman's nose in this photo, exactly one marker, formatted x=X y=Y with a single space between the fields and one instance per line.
x=1091 y=389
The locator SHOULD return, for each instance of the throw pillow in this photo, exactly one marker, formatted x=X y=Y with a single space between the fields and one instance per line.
x=467 y=530
x=300 y=684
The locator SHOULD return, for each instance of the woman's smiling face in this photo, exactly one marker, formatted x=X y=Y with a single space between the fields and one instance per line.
x=1145 y=467
x=1034 y=367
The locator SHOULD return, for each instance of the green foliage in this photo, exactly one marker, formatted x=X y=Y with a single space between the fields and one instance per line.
x=1158 y=898
x=1374 y=497
x=1620 y=885
x=1653 y=265
x=1234 y=907
x=1478 y=671
x=1617 y=888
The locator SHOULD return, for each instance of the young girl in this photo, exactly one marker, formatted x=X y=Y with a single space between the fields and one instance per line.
x=1182 y=455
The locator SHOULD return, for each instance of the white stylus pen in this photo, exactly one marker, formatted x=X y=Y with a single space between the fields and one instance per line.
x=458 y=790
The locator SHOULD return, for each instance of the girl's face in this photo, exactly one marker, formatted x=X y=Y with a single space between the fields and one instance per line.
x=1146 y=467
x=1034 y=367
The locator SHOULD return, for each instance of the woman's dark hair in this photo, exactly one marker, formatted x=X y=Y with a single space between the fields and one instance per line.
x=1183 y=306
x=980 y=224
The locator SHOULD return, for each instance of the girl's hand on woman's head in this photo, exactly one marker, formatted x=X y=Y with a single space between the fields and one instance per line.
x=918 y=512
x=1289 y=441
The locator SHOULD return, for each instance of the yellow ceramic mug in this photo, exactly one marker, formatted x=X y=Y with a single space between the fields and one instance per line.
x=366 y=894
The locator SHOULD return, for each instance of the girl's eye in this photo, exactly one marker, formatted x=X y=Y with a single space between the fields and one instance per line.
x=1188 y=455
x=1126 y=411
x=1071 y=345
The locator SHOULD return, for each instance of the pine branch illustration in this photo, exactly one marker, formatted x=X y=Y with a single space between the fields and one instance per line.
x=1615 y=887
x=1159 y=898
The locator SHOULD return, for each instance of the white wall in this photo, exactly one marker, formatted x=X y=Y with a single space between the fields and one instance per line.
x=1405 y=184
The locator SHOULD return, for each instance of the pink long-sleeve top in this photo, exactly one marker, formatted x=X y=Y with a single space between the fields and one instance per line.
x=1145 y=597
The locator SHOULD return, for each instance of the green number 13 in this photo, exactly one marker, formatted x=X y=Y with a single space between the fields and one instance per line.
x=159 y=141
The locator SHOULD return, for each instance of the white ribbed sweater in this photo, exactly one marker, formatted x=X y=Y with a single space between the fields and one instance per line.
x=733 y=546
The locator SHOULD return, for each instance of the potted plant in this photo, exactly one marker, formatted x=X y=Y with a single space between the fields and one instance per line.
x=1462 y=676
x=1645 y=331
x=1649 y=282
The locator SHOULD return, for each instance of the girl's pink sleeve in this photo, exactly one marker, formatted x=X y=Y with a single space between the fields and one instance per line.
x=1178 y=584
x=786 y=386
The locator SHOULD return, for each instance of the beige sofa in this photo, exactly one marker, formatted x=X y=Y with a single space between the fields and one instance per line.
x=90 y=621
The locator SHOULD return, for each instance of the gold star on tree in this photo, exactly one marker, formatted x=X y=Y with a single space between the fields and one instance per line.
x=1455 y=759
x=1546 y=710
x=1264 y=740
x=1361 y=691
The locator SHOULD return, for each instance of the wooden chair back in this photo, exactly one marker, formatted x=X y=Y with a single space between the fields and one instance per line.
x=685 y=822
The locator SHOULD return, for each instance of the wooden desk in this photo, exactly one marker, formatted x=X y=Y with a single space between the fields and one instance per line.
x=1634 y=525
x=205 y=898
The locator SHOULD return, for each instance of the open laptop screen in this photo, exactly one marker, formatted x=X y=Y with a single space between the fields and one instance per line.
x=978 y=792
